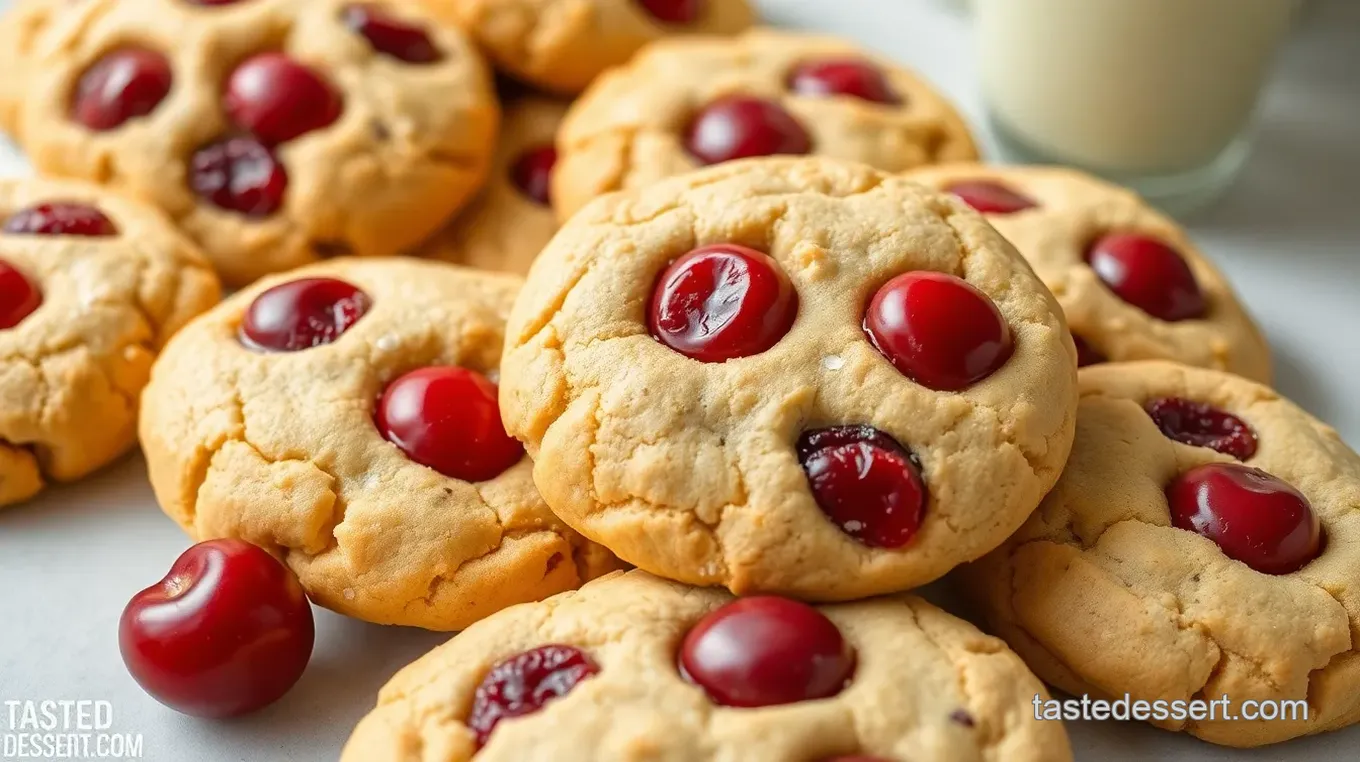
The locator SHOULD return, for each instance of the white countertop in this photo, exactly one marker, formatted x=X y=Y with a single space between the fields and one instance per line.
x=1288 y=234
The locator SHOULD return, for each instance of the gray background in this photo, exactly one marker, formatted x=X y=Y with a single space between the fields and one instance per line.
x=1288 y=234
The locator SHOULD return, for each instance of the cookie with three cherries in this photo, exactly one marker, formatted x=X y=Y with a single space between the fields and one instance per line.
x=1133 y=284
x=1199 y=545
x=343 y=417
x=789 y=375
x=274 y=132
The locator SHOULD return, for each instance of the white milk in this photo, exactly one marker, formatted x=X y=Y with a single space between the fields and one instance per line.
x=1127 y=86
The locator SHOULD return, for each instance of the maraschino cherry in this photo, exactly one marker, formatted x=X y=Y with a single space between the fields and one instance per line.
x=61 y=218
x=19 y=296
x=843 y=76
x=123 y=85
x=390 y=35
x=226 y=632
x=1201 y=425
x=278 y=99
x=302 y=314
x=991 y=197
x=525 y=683
x=865 y=482
x=240 y=175
x=1149 y=274
x=1254 y=517
x=765 y=651
x=743 y=127
x=532 y=173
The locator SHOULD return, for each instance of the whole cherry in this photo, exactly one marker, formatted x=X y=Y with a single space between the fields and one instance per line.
x=19 y=296
x=227 y=631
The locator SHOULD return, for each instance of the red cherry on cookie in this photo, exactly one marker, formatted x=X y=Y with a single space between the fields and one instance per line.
x=1087 y=354
x=740 y=127
x=990 y=197
x=1201 y=425
x=938 y=330
x=865 y=482
x=1148 y=274
x=674 y=11
x=721 y=302
x=765 y=651
x=524 y=684
x=388 y=34
x=239 y=175
x=1254 y=517
x=226 y=632
x=448 y=419
x=302 y=314
x=61 y=218
x=19 y=296
x=278 y=99
x=122 y=85
x=843 y=76
x=532 y=173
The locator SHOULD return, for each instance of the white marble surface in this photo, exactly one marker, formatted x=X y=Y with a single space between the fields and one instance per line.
x=1288 y=234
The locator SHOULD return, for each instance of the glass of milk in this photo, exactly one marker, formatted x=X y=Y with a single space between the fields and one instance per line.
x=1155 y=94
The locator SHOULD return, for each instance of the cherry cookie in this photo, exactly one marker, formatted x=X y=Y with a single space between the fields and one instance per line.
x=687 y=103
x=1133 y=284
x=562 y=46
x=512 y=220
x=343 y=416
x=91 y=287
x=275 y=132
x=633 y=667
x=795 y=376
x=1199 y=544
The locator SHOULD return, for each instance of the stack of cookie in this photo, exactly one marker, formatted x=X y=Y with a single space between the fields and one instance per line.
x=788 y=344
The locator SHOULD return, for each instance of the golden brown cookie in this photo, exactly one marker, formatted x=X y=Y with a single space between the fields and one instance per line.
x=343 y=416
x=1199 y=545
x=275 y=132
x=91 y=287
x=632 y=667
x=512 y=220
x=690 y=367
x=1133 y=284
x=563 y=45
x=685 y=103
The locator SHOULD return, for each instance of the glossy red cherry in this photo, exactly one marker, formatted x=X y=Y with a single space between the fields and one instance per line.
x=388 y=34
x=990 y=197
x=843 y=76
x=226 y=632
x=674 y=11
x=1254 y=517
x=122 y=85
x=61 y=218
x=19 y=296
x=448 y=419
x=1201 y=425
x=524 y=684
x=1087 y=354
x=278 y=99
x=239 y=175
x=938 y=330
x=740 y=127
x=1148 y=274
x=721 y=302
x=765 y=651
x=865 y=482
x=302 y=314
x=532 y=173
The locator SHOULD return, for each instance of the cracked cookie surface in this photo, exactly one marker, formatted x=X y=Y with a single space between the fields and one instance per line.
x=1071 y=211
x=688 y=469
x=85 y=315
x=629 y=129
x=927 y=687
x=563 y=45
x=1100 y=593
x=506 y=227
x=281 y=449
x=367 y=152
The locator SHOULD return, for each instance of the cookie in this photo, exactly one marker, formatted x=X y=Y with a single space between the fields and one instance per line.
x=593 y=676
x=690 y=367
x=275 y=132
x=1200 y=544
x=343 y=416
x=563 y=45
x=91 y=287
x=512 y=220
x=1133 y=284
x=686 y=103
